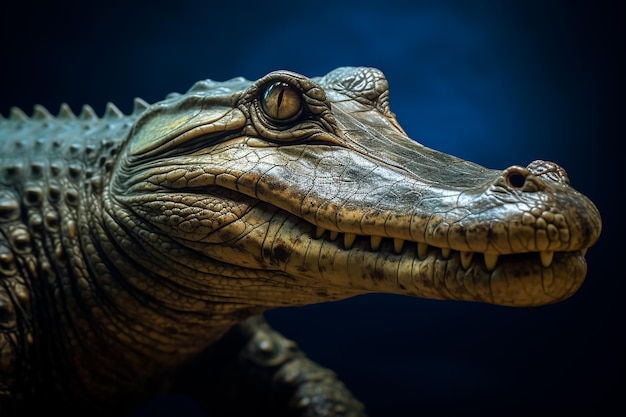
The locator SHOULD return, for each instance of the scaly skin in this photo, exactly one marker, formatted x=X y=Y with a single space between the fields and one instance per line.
x=133 y=243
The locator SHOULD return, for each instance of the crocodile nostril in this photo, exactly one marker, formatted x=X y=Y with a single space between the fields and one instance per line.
x=515 y=179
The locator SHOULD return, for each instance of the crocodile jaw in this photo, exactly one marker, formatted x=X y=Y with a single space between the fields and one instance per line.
x=323 y=266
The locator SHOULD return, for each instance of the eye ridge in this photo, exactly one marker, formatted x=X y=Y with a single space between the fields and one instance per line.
x=282 y=102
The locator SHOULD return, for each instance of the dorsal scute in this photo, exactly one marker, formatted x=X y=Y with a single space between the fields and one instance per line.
x=40 y=112
x=112 y=111
x=17 y=114
x=87 y=113
x=65 y=112
x=139 y=106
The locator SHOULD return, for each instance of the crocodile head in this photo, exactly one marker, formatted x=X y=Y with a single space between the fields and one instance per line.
x=291 y=190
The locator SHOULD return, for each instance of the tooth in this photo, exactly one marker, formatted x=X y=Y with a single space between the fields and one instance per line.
x=490 y=261
x=319 y=231
x=375 y=242
x=583 y=252
x=397 y=245
x=546 y=257
x=445 y=253
x=422 y=249
x=333 y=235
x=466 y=259
x=348 y=240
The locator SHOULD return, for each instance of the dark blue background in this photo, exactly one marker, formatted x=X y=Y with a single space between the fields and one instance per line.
x=498 y=83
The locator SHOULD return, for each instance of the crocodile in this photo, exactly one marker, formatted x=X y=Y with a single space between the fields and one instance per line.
x=138 y=252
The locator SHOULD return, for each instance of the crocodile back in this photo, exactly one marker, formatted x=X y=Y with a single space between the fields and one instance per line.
x=50 y=167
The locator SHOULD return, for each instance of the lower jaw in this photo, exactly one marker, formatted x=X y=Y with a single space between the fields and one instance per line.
x=517 y=280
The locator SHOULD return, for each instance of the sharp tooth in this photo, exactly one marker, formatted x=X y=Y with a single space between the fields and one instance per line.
x=375 y=242
x=422 y=250
x=333 y=235
x=583 y=252
x=466 y=259
x=397 y=245
x=546 y=257
x=445 y=253
x=319 y=231
x=490 y=261
x=348 y=240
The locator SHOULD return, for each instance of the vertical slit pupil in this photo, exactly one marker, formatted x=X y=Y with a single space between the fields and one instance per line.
x=280 y=97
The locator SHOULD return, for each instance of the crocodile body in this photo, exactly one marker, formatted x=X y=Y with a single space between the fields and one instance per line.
x=135 y=245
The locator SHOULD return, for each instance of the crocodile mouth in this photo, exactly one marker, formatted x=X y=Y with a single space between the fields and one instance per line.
x=365 y=264
x=421 y=250
x=402 y=249
x=262 y=236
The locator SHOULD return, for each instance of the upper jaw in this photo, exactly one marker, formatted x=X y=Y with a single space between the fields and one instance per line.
x=351 y=194
x=387 y=212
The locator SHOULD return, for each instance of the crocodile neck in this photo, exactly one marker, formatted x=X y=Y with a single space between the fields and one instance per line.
x=103 y=294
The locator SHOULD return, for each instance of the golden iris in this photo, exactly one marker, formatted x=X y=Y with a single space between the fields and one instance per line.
x=281 y=101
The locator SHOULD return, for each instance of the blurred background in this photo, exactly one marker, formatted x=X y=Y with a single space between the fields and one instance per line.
x=497 y=83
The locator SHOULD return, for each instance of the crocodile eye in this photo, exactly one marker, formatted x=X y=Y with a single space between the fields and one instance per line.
x=281 y=101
